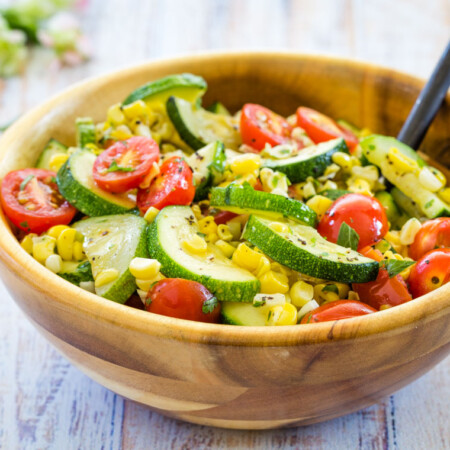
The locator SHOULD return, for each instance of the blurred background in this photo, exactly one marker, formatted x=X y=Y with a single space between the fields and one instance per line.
x=47 y=45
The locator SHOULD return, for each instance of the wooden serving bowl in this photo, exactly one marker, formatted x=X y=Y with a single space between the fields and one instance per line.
x=220 y=375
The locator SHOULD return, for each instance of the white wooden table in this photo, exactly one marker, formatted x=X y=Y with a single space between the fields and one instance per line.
x=47 y=403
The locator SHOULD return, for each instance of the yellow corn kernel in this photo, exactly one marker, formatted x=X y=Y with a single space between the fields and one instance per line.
x=409 y=231
x=115 y=115
x=106 y=276
x=342 y=159
x=54 y=263
x=27 y=242
x=144 y=268
x=369 y=173
x=308 y=189
x=57 y=160
x=151 y=214
x=142 y=130
x=352 y=295
x=263 y=267
x=246 y=163
x=223 y=231
x=277 y=267
x=439 y=175
x=445 y=195
x=279 y=227
x=269 y=300
x=77 y=250
x=406 y=273
x=359 y=186
x=319 y=204
x=88 y=286
x=234 y=227
x=365 y=132
x=391 y=255
x=343 y=289
x=64 y=243
x=274 y=282
x=384 y=307
x=43 y=247
x=297 y=191
x=310 y=306
x=331 y=169
x=195 y=245
x=152 y=174
x=246 y=257
x=57 y=230
x=207 y=225
x=329 y=296
x=401 y=162
x=393 y=237
x=430 y=181
x=145 y=285
x=328 y=185
x=135 y=110
x=226 y=248
x=142 y=295
x=197 y=212
x=211 y=238
x=301 y=293
x=282 y=315
x=121 y=133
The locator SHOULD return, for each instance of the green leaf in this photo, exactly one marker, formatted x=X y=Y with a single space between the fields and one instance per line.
x=24 y=224
x=114 y=167
x=209 y=305
x=429 y=204
x=331 y=288
x=394 y=266
x=24 y=183
x=348 y=237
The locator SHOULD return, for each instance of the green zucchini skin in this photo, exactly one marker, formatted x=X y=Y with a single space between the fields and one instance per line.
x=334 y=194
x=224 y=290
x=303 y=259
x=171 y=82
x=310 y=162
x=244 y=314
x=85 y=131
x=52 y=148
x=218 y=108
x=245 y=199
x=82 y=198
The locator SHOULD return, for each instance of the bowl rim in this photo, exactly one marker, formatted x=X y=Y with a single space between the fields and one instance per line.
x=59 y=291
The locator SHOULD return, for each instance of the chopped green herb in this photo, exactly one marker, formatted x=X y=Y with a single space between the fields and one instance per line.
x=394 y=266
x=331 y=288
x=202 y=235
x=114 y=167
x=209 y=305
x=24 y=183
x=348 y=237
x=24 y=224
x=429 y=204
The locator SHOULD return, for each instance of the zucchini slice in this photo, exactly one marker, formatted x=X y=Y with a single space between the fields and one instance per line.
x=227 y=281
x=77 y=186
x=208 y=167
x=304 y=250
x=218 y=108
x=76 y=272
x=310 y=162
x=53 y=148
x=376 y=149
x=185 y=85
x=243 y=199
x=111 y=242
x=85 y=131
x=198 y=127
x=243 y=314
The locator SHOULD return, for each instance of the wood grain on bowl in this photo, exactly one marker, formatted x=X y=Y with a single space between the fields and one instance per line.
x=217 y=374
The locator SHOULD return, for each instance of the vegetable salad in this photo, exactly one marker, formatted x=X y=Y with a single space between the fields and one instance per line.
x=247 y=219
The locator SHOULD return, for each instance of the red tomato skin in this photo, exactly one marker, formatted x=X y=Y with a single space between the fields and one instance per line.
x=337 y=310
x=434 y=264
x=145 y=153
x=383 y=291
x=183 y=299
x=44 y=216
x=321 y=128
x=256 y=132
x=173 y=186
x=222 y=217
x=364 y=214
x=433 y=234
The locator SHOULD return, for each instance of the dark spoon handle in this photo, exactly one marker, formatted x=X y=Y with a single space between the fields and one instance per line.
x=427 y=104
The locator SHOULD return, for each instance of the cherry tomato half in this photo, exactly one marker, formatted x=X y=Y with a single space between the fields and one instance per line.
x=222 y=217
x=183 y=299
x=261 y=126
x=31 y=200
x=433 y=234
x=125 y=164
x=173 y=186
x=430 y=272
x=321 y=128
x=337 y=310
x=364 y=214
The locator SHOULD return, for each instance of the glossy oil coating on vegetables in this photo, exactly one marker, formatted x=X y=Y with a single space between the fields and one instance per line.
x=248 y=219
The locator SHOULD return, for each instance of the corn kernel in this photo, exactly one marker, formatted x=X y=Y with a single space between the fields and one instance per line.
x=409 y=231
x=77 y=250
x=384 y=307
x=195 y=245
x=57 y=160
x=145 y=285
x=263 y=267
x=207 y=225
x=246 y=163
x=88 y=286
x=359 y=186
x=439 y=175
x=246 y=257
x=273 y=282
x=64 y=243
x=393 y=237
x=444 y=194
x=106 y=276
x=150 y=214
x=135 y=110
x=301 y=293
x=43 y=247
x=352 y=295
x=212 y=238
x=54 y=263
x=329 y=296
x=153 y=173
x=27 y=242
x=269 y=300
x=343 y=289
x=406 y=273
x=430 y=181
x=57 y=230
x=226 y=248
x=142 y=295
x=328 y=185
x=234 y=226
x=308 y=190
x=279 y=227
x=331 y=170
x=280 y=315
x=369 y=173
x=142 y=130
x=319 y=204
x=115 y=115
x=342 y=159
x=310 y=306
x=144 y=268
x=121 y=133
x=401 y=162
x=277 y=267
x=197 y=212
x=223 y=231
